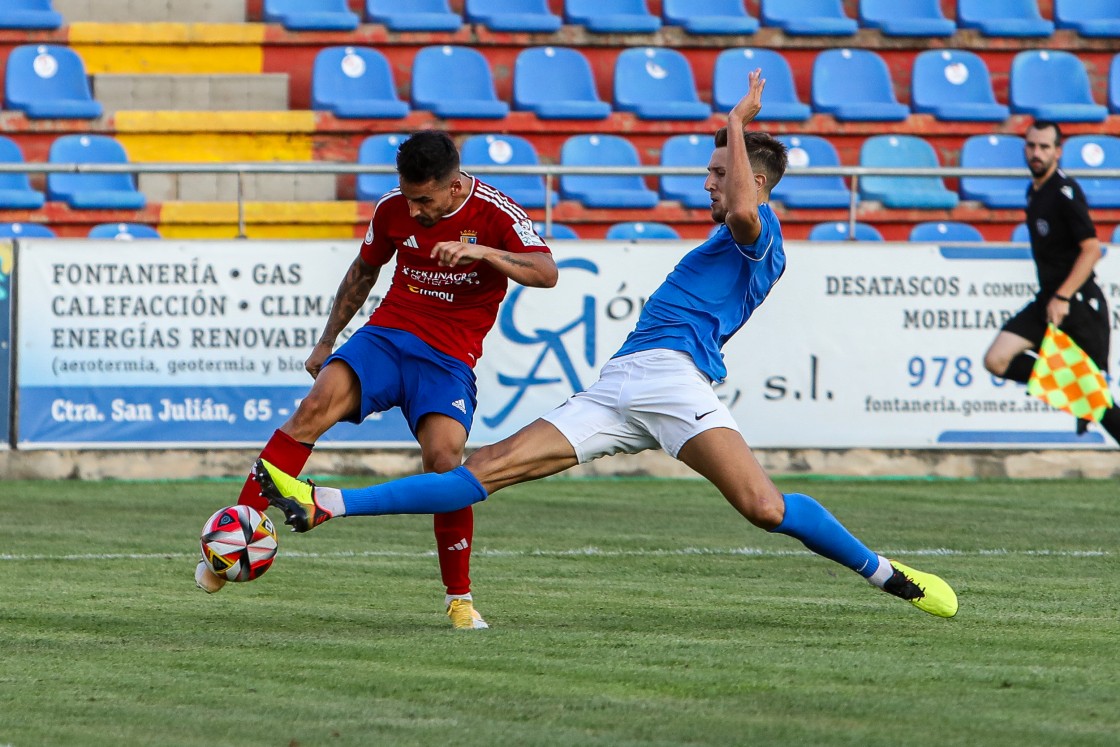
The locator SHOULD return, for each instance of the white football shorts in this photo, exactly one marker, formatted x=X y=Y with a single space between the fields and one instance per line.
x=645 y=400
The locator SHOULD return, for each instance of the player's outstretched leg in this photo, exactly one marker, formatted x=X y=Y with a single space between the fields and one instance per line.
x=294 y=497
x=927 y=592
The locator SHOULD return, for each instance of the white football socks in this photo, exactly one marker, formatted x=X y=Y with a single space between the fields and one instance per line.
x=330 y=500
x=882 y=574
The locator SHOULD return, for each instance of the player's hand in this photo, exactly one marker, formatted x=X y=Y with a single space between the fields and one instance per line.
x=751 y=104
x=453 y=253
x=319 y=354
x=1057 y=311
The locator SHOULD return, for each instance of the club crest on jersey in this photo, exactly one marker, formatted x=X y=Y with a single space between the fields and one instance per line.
x=468 y=237
x=1068 y=192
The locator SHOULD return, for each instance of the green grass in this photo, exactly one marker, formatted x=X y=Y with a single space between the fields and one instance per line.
x=625 y=612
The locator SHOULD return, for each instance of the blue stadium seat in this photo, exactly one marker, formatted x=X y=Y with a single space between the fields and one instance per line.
x=838 y=231
x=1021 y=234
x=355 y=83
x=657 y=83
x=47 y=81
x=25 y=231
x=729 y=84
x=530 y=16
x=415 y=15
x=29 y=14
x=507 y=150
x=686 y=150
x=855 y=85
x=795 y=191
x=455 y=82
x=1003 y=17
x=1088 y=152
x=559 y=231
x=1054 y=85
x=639 y=230
x=808 y=17
x=954 y=86
x=123 y=231
x=378 y=150
x=994 y=152
x=556 y=83
x=912 y=18
x=310 y=15
x=1114 y=85
x=945 y=231
x=711 y=17
x=1088 y=17
x=903 y=151
x=115 y=191
x=15 y=188
x=608 y=191
x=611 y=16
x=1116 y=235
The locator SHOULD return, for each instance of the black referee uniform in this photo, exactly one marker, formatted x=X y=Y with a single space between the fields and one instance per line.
x=1058 y=221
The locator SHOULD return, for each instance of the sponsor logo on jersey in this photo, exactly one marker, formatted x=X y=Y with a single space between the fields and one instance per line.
x=411 y=242
x=1042 y=227
x=369 y=233
x=526 y=233
x=441 y=295
x=1068 y=192
x=460 y=405
x=468 y=237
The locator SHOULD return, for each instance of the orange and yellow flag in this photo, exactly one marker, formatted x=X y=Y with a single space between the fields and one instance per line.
x=1066 y=378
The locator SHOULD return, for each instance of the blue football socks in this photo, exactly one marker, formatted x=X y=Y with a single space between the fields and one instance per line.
x=812 y=524
x=429 y=493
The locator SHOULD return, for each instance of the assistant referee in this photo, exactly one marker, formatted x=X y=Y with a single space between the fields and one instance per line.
x=1065 y=250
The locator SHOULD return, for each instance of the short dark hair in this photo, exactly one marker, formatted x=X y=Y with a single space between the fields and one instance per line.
x=1046 y=124
x=767 y=155
x=428 y=155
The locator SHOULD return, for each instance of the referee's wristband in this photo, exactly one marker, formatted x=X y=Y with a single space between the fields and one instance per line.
x=1060 y=297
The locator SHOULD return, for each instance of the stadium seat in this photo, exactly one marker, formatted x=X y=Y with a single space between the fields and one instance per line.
x=729 y=84
x=611 y=16
x=355 y=83
x=1088 y=152
x=808 y=17
x=608 y=191
x=945 y=231
x=123 y=231
x=1054 y=85
x=25 y=231
x=415 y=15
x=1114 y=85
x=29 y=14
x=455 y=82
x=556 y=83
x=1088 y=17
x=636 y=230
x=855 y=85
x=994 y=152
x=1116 y=235
x=686 y=150
x=15 y=188
x=310 y=15
x=507 y=150
x=954 y=86
x=712 y=17
x=377 y=150
x=108 y=191
x=1003 y=17
x=913 y=18
x=838 y=231
x=47 y=81
x=559 y=231
x=903 y=151
x=530 y=16
x=796 y=191
x=657 y=83
x=1021 y=234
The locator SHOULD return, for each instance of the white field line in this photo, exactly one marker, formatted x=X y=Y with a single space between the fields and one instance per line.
x=593 y=552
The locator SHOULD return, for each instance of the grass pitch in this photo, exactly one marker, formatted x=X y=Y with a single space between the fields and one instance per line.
x=624 y=612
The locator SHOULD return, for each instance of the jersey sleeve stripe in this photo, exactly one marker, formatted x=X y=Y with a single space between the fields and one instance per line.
x=503 y=203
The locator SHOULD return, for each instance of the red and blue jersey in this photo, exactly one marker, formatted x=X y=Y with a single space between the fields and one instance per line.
x=450 y=308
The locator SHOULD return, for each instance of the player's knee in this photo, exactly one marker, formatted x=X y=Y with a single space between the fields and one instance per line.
x=442 y=460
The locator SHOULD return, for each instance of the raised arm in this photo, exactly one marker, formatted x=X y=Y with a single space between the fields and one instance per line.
x=742 y=188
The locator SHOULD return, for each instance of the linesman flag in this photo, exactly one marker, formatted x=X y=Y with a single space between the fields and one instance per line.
x=1066 y=378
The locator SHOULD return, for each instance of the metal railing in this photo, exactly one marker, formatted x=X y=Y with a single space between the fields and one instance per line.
x=549 y=172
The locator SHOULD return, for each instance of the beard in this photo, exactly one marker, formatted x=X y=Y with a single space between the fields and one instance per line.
x=1037 y=168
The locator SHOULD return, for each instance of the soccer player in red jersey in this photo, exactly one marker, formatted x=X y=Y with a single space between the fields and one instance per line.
x=458 y=243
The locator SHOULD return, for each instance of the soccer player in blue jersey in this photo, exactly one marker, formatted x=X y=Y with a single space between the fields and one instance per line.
x=657 y=391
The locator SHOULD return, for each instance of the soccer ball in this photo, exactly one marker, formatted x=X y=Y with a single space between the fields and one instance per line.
x=238 y=543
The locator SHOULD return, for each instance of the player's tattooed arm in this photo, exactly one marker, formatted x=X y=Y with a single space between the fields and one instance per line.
x=534 y=269
x=351 y=294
